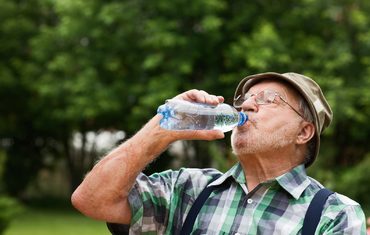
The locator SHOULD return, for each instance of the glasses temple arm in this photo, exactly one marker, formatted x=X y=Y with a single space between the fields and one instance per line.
x=291 y=107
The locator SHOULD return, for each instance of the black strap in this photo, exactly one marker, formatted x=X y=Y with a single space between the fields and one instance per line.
x=187 y=227
x=310 y=222
x=314 y=211
x=118 y=229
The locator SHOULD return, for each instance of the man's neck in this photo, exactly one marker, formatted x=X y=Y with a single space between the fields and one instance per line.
x=266 y=166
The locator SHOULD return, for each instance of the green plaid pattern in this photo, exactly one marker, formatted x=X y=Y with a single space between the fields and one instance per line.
x=161 y=202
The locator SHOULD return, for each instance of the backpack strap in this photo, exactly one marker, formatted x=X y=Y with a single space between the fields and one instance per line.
x=314 y=211
x=187 y=227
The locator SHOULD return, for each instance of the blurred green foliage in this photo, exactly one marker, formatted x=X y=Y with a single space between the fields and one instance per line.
x=68 y=66
x=9 y=207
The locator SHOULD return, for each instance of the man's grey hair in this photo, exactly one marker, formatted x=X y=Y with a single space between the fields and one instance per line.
x=307 y=114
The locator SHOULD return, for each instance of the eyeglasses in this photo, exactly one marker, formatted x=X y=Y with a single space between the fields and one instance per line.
x=262 y=98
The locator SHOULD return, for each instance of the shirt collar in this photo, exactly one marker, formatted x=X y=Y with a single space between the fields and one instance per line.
x=235 y=172
x=294 y=181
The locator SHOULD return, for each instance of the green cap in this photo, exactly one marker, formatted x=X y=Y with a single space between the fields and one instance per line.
x=309 y=89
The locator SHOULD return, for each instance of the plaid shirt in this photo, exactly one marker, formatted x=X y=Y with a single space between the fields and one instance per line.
x=160 y=203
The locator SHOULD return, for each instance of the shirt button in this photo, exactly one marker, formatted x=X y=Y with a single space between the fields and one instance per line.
x=250 y=201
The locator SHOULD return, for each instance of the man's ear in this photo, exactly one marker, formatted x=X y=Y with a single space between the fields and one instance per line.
x=307 y=132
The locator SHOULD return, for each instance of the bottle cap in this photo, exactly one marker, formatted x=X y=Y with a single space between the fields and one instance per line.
x=242 y=118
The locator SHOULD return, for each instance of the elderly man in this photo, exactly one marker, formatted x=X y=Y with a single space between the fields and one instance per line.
x=266 y=192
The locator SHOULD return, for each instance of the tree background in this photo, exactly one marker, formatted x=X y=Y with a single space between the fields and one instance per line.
x=72 y=71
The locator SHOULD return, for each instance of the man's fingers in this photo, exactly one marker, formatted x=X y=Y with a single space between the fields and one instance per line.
x=200 y=96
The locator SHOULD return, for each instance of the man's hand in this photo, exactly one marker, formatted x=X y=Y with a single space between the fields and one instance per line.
x=200 y=97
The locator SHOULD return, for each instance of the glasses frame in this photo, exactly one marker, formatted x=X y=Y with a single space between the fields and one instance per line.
x=259 y=102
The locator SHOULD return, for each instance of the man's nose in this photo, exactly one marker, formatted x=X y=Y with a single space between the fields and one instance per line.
x=250 y=105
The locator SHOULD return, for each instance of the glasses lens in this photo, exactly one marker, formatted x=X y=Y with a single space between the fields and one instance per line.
x=240 y=100
x=265 y=97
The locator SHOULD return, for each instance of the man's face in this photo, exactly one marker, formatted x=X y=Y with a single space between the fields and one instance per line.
x=269 y=127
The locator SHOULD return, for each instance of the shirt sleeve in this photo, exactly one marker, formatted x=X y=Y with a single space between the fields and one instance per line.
x=343 y=216
x=160 y=201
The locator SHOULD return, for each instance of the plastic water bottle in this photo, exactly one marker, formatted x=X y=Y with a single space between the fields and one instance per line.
x=183 y=115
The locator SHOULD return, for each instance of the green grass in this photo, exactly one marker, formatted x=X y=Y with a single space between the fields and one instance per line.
x=60 y=221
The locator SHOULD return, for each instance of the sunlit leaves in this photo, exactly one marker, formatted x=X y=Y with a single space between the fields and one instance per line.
x=109 y=64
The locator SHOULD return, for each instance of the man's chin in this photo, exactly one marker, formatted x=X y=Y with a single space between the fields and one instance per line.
x=239 y=146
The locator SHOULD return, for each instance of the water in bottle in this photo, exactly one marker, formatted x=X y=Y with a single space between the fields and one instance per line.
x=183 y=115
